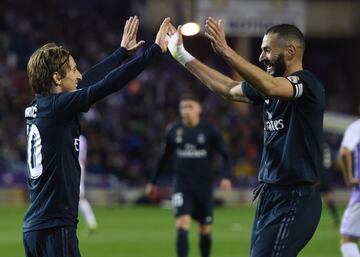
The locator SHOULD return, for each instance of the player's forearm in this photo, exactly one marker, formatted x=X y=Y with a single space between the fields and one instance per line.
x=98 y=71
x=211 y=78
x=119 y=77
x=346 y=160
x=259 y=79
x=160 y=168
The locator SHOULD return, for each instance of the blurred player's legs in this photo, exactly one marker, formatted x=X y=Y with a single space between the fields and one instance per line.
x=89 y=216
x=324 y=187
x=182 y=241
x=199 y=206
x=350 y=231
x=330 y=204
x=350 y=249
x=86 y=210
x=205 y=240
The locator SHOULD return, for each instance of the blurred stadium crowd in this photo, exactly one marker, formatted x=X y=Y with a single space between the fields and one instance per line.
x=125 y=130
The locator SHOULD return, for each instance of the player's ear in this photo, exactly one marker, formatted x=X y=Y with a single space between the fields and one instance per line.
x=56 y=79
x=290 y=52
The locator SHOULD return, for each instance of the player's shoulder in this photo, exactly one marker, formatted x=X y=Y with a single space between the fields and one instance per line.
x=306 y=76
x=308 y=84
x=41 y=106
x=170 y=128
x=354 y=126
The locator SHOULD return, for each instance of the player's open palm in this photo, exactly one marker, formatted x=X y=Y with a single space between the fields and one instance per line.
x=129 y=41
x=214 y=31
x=161 y=37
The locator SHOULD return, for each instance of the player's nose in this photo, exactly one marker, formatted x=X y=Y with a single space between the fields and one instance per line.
x=79 y=76
x=261 y=57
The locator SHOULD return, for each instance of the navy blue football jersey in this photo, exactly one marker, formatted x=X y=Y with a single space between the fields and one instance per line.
x=292 y=132
x=190 y=151
x=53 y=139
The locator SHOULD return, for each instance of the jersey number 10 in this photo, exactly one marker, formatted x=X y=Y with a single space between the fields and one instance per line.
x=34 y=157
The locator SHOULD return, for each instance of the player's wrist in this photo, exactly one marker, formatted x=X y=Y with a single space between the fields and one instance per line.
x=182 y=56
x=178 y=51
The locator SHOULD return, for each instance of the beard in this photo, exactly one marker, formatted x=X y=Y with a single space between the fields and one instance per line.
x=278 y=66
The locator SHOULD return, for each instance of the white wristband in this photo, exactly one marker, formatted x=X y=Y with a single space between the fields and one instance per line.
x=178 y=51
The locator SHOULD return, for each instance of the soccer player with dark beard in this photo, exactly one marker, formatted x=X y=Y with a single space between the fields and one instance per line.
x=189 y=147
x=293 y=100
x=53 y=132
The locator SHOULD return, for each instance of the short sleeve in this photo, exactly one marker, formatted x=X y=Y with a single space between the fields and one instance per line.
x=252 y=94
x=307 y=86
x=298 y=85
x=351 y=136
x=83 y=148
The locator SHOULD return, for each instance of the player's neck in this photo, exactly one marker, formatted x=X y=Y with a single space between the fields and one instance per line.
x=55 y=90
x=294 y=67
x=191 y=123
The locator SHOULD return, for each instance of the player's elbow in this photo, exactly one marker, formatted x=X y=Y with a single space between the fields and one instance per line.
x=345 y=152
x=220 y=89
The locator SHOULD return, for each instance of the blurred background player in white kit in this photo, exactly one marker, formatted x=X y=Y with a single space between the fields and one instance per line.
x=84 y=205
x=350 y=164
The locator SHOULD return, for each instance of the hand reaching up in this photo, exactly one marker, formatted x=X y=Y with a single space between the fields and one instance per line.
x=128 y=40
x=214 y=30
x=161 y=37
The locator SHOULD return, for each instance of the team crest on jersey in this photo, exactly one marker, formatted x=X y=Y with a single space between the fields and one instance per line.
x=293 y=79
x=179 y=135
x=201 y=138
x=267 y=101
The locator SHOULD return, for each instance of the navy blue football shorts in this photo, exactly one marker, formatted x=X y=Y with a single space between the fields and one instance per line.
x=52 y=242
x=286 y=218
x=197 y=204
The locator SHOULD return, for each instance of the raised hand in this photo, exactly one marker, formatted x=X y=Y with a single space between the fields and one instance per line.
x=161 y=37
x=214 y=30
x=176 y=46
x=175 y=40
x=128 y=40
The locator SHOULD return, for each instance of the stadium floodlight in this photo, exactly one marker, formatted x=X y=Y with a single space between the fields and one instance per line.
x=190 y=29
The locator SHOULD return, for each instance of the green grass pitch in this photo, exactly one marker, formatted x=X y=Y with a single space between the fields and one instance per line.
x=149 y=232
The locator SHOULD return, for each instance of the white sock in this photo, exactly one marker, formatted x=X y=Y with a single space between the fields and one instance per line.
x=350 y=250
x=86 y=210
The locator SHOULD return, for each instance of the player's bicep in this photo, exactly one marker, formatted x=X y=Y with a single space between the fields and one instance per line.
x=284 y=89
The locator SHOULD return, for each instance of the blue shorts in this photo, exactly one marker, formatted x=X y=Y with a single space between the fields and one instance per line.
x=286 y=218
x=52 y=242
x=197 y=204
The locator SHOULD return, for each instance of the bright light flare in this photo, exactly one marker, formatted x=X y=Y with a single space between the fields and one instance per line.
x=190 y=29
